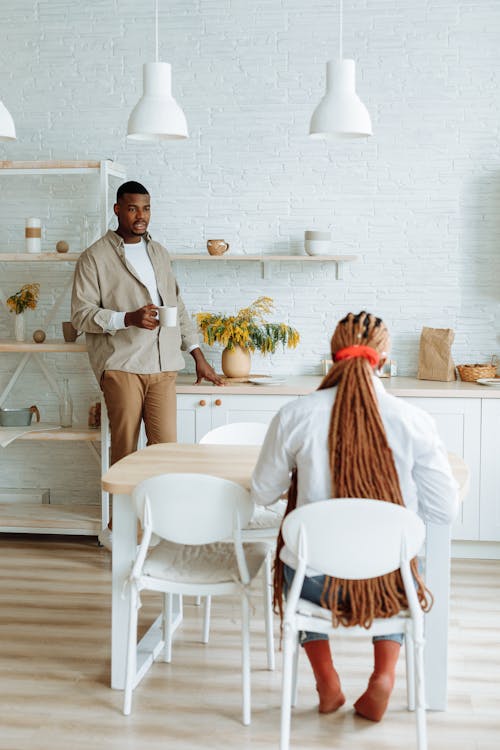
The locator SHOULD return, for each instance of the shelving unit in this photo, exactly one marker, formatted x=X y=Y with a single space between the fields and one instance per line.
x=46 y=518
x=266 y=260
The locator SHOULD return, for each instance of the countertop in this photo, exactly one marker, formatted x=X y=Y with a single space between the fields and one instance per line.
x=300 y=385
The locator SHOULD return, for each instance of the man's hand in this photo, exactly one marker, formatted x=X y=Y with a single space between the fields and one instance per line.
x=203 y=370
x=144 y=317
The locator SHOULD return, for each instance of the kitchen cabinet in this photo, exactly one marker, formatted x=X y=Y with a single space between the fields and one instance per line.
x=489 y=517
x=459 y=424
x=198 y=413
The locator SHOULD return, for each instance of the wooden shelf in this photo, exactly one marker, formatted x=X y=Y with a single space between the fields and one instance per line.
x=265 y=260
x=66 y=434
x=11 y=345
x=64 y=166
x=41 y=518
x=39 y=257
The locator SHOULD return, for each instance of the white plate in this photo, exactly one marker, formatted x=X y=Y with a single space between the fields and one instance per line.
x=267 y=381
x=489 y=381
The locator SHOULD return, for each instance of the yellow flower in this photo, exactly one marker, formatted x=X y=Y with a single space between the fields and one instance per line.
x=25 y=298
x=248 y=328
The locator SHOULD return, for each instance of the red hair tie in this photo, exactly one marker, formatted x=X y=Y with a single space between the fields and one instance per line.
x=358 y=350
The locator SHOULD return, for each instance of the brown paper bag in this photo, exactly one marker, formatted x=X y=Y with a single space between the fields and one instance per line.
x=434 y=358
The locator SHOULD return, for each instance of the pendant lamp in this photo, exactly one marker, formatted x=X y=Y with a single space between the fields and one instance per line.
x=7 y=127
x=157 y=116
x=341 y=113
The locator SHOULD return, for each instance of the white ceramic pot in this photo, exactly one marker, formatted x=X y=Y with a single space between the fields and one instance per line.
x=318 y=247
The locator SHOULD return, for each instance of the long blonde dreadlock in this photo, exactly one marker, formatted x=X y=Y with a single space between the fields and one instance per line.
x=361 y=465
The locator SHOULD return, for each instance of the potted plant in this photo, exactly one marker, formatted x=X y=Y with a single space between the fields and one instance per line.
x=243 y=333
x=25 y=299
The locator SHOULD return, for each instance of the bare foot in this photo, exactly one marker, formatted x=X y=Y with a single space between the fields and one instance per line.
x=331 y=696
x=374 y=701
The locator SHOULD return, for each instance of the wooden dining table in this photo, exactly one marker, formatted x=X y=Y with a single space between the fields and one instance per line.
x=237 y=463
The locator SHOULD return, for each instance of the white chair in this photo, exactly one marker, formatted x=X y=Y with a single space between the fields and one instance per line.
x=353 y=539
x=192 y=514
x=265 y=523
x=237 y=433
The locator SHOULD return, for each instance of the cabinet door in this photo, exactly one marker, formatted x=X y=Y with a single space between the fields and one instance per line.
x=489 y=519
x=193 y=417
x=459 y=424
x=227 y=409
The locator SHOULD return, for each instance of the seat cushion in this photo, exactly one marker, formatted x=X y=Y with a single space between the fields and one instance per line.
x=268 y=517
x=206 y=563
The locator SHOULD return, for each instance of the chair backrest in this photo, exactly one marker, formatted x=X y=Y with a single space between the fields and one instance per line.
x=354 y=538
x=237 y=433
x=192 y=508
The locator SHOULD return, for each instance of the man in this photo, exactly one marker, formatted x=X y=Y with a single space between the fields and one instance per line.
x=120 y=281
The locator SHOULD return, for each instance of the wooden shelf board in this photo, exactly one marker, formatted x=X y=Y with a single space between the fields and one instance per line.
x=67 y=434
x=50 y=164
x=10 y=345
x=38 y=518
x=39 y=257
x=61 y=166
x=266 y=258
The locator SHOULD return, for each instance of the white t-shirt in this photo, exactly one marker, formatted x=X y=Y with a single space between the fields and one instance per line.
x=298 y=438
x=137 y=256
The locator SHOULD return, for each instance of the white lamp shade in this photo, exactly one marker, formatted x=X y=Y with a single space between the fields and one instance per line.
x=7 y=128
x=157 y=116
x=341 y=113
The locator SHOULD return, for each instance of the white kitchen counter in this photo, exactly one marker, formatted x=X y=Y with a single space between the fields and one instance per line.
x=299 y=385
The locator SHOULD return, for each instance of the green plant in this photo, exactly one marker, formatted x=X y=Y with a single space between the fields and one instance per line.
x=247 y=329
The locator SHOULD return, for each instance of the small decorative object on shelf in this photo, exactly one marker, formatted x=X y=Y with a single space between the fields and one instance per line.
x=33 y=234
x=69 y=331
x=217 y=247
x=38 y=336
x=94 y=418
x=65 y=405
x=62 y=246
x=243 y=333
x=25 y=299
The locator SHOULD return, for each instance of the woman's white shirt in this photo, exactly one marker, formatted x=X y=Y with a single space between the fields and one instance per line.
x=298 y=438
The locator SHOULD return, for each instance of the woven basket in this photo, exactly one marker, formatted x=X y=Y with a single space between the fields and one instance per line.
x=470 y=373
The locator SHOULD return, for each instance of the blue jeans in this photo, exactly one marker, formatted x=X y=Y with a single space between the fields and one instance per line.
x=311 y=590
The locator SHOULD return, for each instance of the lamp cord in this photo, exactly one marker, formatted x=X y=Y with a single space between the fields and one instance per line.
x=340 y=30
x=156 y=29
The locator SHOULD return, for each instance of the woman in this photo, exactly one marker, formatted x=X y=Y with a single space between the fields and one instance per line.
x=352 y=439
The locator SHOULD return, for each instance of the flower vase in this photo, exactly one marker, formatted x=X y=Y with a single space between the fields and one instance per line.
x=236 y=362
x=20 y=327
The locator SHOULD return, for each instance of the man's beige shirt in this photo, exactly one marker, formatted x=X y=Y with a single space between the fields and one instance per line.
x=105 y=283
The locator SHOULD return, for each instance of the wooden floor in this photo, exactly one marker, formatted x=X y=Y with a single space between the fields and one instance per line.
x=54 y=669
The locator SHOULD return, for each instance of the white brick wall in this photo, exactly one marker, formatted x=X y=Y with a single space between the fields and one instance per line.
x=418 y=202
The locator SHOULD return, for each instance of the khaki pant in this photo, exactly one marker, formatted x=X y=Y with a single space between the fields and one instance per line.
x=131 y=398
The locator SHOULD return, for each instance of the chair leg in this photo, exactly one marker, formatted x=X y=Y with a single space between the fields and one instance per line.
x=420 y=689
x=131 y=666
x=167 y=627
x=268 y=611
x=410 y=669
x=286 y=686
x=295 y=671
x=206 y=619
x=245 y=658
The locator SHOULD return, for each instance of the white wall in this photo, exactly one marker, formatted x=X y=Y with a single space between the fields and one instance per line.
x=417 y=202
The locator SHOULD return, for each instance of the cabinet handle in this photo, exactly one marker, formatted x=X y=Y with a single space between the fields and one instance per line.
x=218 y=402
x=203 y=402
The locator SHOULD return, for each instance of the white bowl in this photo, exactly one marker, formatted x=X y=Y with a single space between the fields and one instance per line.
x=311 y=234
x=318 y=247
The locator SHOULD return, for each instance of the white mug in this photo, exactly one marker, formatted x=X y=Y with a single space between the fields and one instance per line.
x=167 y=316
